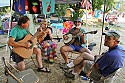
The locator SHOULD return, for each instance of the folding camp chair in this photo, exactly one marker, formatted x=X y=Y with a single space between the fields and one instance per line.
x=10 y=58
x=107 y=79
x=26 y=76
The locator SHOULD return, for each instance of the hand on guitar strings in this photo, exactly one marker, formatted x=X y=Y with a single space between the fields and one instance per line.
x=82 y=35
x=28 y=44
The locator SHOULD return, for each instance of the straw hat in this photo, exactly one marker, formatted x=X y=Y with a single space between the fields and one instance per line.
x=44 y=22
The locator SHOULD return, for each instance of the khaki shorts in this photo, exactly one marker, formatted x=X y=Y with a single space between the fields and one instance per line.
x=95 y=74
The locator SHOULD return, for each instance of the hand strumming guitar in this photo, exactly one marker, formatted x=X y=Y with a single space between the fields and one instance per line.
x=27 y=45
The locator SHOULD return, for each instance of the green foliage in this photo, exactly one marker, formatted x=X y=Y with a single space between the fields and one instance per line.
x=61 y=9
x=4 y=10
x=97 y=4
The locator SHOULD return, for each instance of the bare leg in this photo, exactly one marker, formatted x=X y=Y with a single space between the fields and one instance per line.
x=83 y=56
x=37 y=51
x=85 y=50
x=21 y=66
x=78 y=68
x=63 y=51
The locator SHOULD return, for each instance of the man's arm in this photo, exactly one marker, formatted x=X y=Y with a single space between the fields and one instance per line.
x=11 y=42
x=82 y=38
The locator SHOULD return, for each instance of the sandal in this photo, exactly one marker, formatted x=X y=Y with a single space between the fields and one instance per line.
x=43 y=69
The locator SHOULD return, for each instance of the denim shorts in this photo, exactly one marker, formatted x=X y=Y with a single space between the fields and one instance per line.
x=76 y=48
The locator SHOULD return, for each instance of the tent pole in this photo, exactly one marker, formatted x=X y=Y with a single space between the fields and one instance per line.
x=86 y=21
x=10 y=22
x=102 y=25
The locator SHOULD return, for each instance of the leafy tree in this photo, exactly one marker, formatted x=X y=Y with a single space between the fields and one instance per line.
x=97 y=4
x=60 y=9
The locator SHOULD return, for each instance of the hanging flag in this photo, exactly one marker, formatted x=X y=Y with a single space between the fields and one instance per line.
x=118 y=5
x=67 y=26
x=26 y=5
x=97 y=13
x=19 y=6
x=34 y=6
x=48 y=6
x=86 y=3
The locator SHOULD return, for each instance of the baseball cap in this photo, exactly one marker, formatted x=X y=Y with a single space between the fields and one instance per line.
x=113 y=33
x=78 y=20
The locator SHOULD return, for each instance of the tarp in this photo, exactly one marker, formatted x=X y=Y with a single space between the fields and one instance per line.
x=4 y=3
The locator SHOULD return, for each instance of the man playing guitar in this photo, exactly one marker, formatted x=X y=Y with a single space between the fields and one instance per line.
x=17 y=34
x=79 y=43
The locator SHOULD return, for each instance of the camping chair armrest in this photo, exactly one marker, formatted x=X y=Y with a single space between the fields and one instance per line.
x=96 y=57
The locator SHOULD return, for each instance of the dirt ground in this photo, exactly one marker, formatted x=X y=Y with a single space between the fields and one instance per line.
x=57 y=74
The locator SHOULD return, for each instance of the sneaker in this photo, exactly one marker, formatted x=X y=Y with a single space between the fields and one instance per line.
x=69 y=75
x=64 y=66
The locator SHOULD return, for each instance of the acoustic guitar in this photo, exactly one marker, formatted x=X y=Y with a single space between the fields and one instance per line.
x=71 y=38
x=41 y=37
x=24 y=52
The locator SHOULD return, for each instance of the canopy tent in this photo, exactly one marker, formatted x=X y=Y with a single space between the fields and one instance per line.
x=31 y=29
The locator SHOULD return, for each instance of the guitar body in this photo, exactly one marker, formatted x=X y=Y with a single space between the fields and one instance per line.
x=24 y=52
x=41 y=37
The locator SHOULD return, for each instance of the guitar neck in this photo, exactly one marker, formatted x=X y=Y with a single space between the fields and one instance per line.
x=79 y=33
x=91 y=32
x=35 y=35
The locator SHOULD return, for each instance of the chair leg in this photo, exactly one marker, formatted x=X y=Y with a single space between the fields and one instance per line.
x=33 y=61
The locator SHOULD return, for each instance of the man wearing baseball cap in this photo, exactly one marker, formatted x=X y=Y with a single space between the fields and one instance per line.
x=113 y=33
x=108 y=63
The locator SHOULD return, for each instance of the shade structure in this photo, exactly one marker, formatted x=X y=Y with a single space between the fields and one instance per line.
x=67 y=1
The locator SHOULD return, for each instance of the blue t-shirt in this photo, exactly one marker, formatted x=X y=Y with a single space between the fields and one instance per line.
x=111 y=60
